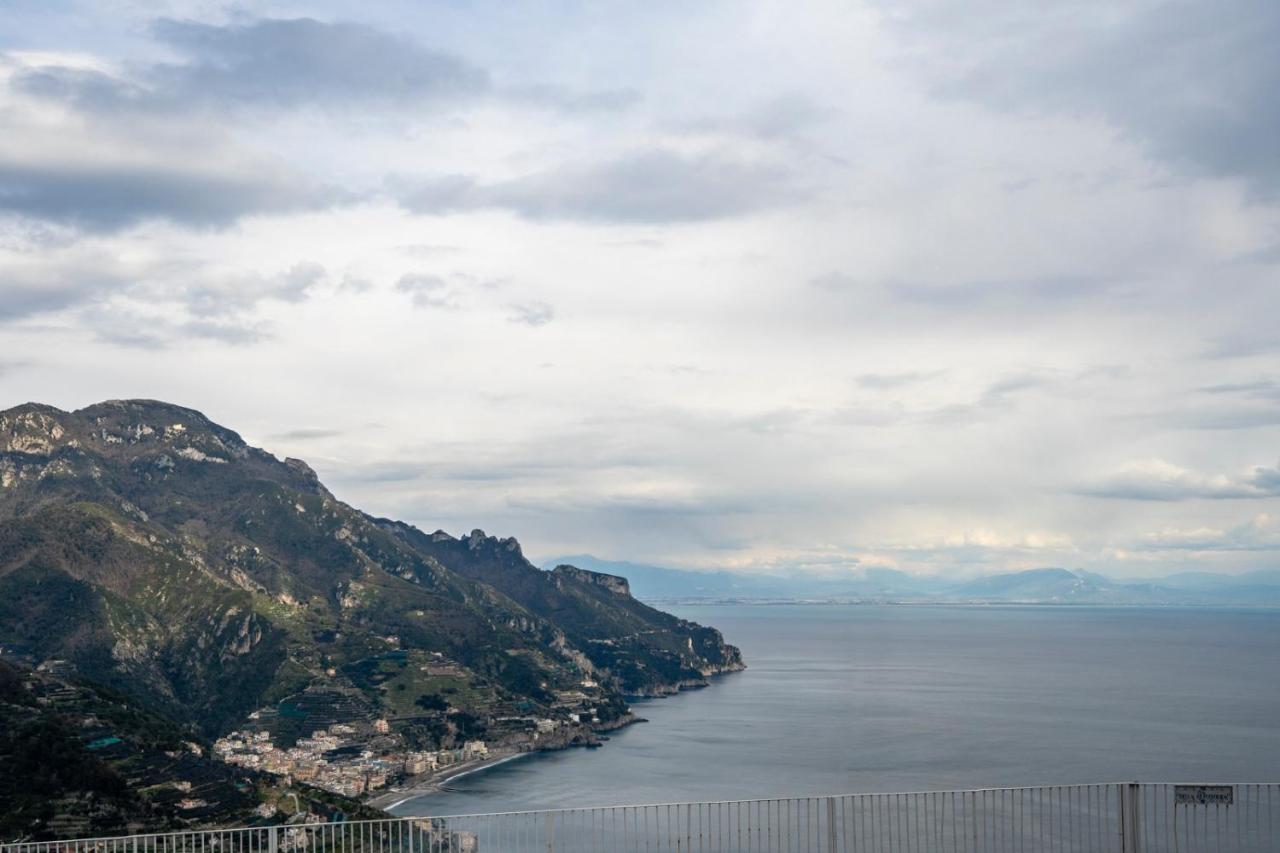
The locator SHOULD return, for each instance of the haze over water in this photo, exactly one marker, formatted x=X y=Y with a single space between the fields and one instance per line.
x=893 y=698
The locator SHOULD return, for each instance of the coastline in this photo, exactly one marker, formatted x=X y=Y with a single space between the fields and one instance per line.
x=434 y=782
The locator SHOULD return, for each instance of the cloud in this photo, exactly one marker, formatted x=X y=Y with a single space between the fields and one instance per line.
x=149 y=304
x=777 y=118
x=890 y=381
x=1158 y=480
x=646 y=186
x=1258 y=389
x=569 y=101
x=273 y=63
x=836 y=282
x=999 y=293
x=141 y=327
x=235 y=295
x=532 y=314
x=1194 y=83
x=110 y=196
x=284 y=63
x=998 y=396
x=105 y=172
x=1261 y=533
x=33 y=286
x=427 y=291
x=307 y=434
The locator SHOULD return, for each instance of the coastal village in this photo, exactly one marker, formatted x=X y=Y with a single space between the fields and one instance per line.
x=326 y=739
x=336 y=760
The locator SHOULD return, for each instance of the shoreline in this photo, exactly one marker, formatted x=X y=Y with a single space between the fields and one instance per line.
x=434 y=782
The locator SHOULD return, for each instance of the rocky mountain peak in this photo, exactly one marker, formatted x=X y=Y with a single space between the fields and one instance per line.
x=614 y=583
x=308 y=474
x=32 y=428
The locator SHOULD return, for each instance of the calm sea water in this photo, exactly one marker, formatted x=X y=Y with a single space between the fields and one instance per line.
x=844 y=699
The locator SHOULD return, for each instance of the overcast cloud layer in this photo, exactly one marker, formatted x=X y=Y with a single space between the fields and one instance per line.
x=753 y=285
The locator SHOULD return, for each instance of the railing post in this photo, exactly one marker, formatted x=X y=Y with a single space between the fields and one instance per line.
x=551 y=832
x=1130 y=808
x=831 y=825
x=273 y=835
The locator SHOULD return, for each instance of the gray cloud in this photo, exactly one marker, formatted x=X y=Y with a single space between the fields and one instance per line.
x=118 y=301
x=532 y=314
x=777 y=118
x=889 y=381
x=1157 y=480
x=31 y=289
x=998 y=396
x=1193 y=82
x=427 y=291
x=569 y=101
x=1233 y=406
x=112 y=196
x=126 y=327
x=837 y=282
x=1259 y=389
x=307 y=434
x=1006 y=293
x=25 y=300
x=224 y=299
x=1261 y=533
x=273 y=62
x=647 y=186
x=287 y=63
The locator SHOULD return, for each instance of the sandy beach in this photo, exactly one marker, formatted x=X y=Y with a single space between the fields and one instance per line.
x=437 y=780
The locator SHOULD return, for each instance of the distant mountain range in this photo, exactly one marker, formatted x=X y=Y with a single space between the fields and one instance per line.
x=1034 y=586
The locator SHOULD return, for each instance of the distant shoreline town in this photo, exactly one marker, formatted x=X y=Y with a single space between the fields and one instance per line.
x=361 y=758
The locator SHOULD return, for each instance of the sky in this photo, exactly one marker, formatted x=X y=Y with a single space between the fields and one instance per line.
x=762 y=286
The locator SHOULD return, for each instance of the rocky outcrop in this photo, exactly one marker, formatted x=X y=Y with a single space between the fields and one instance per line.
x=613 y=583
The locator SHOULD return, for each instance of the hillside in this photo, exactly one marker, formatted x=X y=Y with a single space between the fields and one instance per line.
x=160 y=556
x=79 y=761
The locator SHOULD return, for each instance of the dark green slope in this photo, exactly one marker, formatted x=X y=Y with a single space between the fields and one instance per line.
x=643 y=649
x=78 y=760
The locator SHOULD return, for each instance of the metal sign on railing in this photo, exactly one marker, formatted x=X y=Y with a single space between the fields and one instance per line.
x=1204 y=795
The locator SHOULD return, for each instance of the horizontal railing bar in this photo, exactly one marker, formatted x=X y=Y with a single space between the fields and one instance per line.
x=1063 y=794
x=798 y=798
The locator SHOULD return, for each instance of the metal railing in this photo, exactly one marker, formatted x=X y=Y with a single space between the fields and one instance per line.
x=1101 y=818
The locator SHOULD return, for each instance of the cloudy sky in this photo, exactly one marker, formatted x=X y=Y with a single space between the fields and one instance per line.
x=952 y=288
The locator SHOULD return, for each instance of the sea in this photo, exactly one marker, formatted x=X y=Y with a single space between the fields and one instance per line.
x=869 y=698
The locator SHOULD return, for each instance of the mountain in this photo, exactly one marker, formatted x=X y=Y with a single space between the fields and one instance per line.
x=157 y=555
x=654 y=583
x=1032 y=586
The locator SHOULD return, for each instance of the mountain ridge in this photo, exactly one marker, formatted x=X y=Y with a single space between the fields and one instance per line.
x=159 y=555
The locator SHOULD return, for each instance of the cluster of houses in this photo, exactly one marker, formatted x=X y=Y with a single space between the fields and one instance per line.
x=328 y=760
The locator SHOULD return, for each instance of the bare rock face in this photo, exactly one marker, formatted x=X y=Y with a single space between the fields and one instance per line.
x=615 y=584
x=31 y=429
